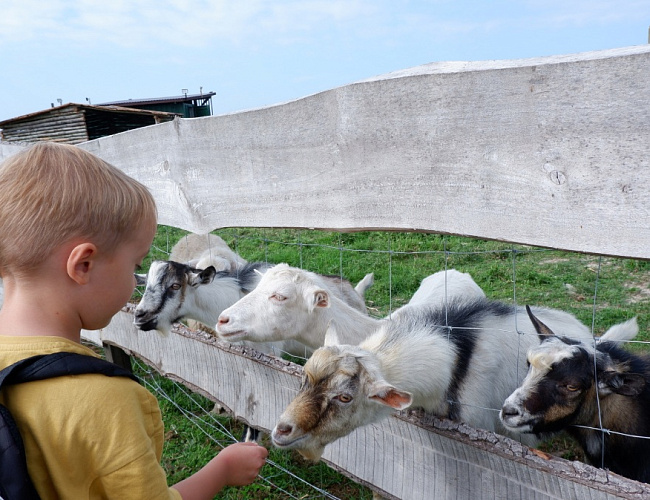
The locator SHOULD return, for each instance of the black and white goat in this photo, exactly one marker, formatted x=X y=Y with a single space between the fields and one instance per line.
x=176 y=291
x=458 y=360
x=582 y=387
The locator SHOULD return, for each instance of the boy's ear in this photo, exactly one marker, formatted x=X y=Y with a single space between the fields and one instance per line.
x=80 y=262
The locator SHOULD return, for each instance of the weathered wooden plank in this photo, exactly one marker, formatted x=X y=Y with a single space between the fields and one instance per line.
x=545 y=151
x=408 y=456
x=10 y=148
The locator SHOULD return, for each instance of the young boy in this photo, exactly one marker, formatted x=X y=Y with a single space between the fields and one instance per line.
x=73 y=230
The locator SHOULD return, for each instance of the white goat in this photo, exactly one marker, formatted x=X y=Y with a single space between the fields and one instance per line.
x=291 y=303
x=203 y=250
x=176 y=291
x=458 y=361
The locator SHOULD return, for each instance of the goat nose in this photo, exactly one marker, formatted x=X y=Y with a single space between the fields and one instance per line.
x=283 y=429
x=509 y=410
x=223 y=320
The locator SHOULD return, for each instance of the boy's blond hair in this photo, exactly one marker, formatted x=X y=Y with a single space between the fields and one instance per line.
x=53 y=193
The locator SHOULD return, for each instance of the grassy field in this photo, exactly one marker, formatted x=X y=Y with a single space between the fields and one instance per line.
x=600 y=291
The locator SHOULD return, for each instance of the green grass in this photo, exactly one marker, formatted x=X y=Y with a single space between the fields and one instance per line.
x=598 y=290
x=194 y=434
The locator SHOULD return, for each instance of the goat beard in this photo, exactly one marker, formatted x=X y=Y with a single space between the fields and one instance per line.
x=312 y=454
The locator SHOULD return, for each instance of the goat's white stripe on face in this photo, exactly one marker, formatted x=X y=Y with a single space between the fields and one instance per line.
x=541 y=358
x=550 y=352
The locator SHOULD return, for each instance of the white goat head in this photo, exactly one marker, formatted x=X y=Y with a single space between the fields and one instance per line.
x=273 y=310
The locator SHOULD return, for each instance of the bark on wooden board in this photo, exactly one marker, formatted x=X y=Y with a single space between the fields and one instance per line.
x=410 y=456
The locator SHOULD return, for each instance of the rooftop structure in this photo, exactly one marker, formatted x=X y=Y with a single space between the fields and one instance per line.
x=186 y=105
x=75 y=123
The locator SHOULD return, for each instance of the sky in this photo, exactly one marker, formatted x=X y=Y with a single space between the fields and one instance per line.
x=257 y=53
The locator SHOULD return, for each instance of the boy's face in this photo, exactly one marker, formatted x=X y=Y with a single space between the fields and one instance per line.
x=113 y=279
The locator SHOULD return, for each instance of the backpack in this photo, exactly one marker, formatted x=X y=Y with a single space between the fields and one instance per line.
x=15 y=483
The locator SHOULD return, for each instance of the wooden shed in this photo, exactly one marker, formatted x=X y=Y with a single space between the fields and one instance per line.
x=76 y=123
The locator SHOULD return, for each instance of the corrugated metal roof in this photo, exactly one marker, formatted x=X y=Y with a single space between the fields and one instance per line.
x=160 y=100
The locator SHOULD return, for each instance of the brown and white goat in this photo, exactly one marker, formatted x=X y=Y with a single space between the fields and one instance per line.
x=583 y=387
x=459 y=360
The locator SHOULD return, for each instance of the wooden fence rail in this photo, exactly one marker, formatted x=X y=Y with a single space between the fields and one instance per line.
x=408 y=457
x=552 y=152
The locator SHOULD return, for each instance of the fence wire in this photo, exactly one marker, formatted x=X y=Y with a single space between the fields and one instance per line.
x=516 y=274
x=219 y=432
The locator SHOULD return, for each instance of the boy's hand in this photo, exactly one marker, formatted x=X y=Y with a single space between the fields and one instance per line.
x=241 y=462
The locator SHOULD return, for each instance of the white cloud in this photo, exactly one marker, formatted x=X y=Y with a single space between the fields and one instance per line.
x=202 y=23
x=27 y=19
x=176 y=22
x=577 y=13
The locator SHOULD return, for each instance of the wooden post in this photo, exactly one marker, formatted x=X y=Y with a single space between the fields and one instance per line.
x=118 y=356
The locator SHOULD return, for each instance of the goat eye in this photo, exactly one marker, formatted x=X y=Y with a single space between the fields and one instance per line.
x=176 y=286
x=277 y=297
x=344 y=398
x=572 y=388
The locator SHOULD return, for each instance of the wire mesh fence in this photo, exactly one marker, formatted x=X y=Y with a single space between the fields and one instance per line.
x=600 y=291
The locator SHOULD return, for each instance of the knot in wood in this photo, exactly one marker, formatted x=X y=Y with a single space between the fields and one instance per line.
x=557 y=177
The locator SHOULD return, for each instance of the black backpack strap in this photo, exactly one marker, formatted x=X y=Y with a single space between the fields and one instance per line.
x=59 y=364
x=15 y=482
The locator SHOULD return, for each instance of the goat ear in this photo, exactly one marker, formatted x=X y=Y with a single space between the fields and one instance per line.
x=386 y=394
x=542 y=330
x=207 y=275
x=203 y=277
x=320 y=299
x=140 y=279
x=625 y=384
x=621 y=331
x=331 y=337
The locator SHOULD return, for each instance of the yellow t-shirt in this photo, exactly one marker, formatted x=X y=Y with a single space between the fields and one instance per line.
x=86 y=436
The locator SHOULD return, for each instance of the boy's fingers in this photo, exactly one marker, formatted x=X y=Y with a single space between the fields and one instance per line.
x=262 y=449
